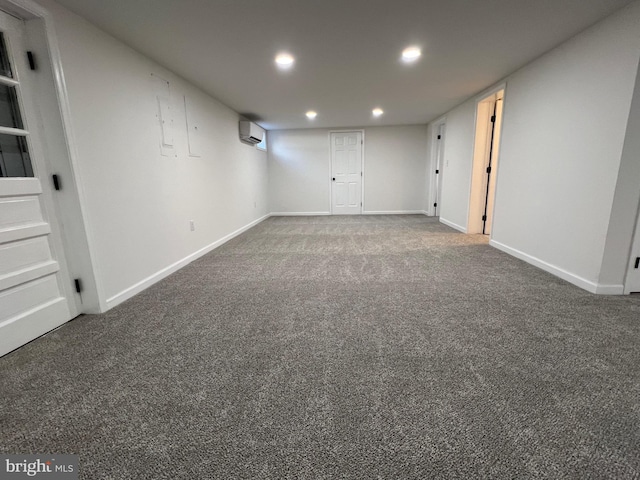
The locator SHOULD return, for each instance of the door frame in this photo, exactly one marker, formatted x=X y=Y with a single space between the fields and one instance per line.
x=475 y=224
x=634 y=252
x=436 y=180
x=362 y=153
x=67 y=205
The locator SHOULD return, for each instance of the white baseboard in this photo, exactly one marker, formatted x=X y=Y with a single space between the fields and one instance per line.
x=453 y=225
x=385 y=212
x=165 y=272
x=576 y=280
x=298 y=214
x=603 y=289
x=396 y=212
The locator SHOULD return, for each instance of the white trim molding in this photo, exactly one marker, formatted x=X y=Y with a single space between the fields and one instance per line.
x=298 y=214
x=396 y=212
x=83 y=244
x=572 y=278
x=602 y=289
x=453 y=225
x=315 y=214
x=165 y=272
x=491 y=90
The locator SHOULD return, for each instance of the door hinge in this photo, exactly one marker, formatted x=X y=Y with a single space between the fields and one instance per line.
x=439 y=136
x=637 y=262
x=437 y=171
x=360 y=173
x=56 y=182
x=493 y=119
x=78 y=284
x=488 y=169
x=484 y=218
x=32 y=60
x=435 y=204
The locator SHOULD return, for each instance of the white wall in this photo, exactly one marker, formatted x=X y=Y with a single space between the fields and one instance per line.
x=564 y=126
x=299 y=171
x=395 y=169
x=395 y=166
x=458 y=164
x=565 y=120
x=624 y=213
x=139 y=203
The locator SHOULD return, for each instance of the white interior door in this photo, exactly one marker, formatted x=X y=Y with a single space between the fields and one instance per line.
x=346 y=173
x=34 y=283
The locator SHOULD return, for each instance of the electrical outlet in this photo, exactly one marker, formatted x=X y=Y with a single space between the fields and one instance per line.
x=192 y=225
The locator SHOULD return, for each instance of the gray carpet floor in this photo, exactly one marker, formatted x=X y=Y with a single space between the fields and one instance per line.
x=372 y=347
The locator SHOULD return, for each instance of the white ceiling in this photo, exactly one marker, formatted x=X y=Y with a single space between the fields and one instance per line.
x=347 y=51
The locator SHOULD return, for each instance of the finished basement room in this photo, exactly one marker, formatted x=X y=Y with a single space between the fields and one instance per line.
x=356 y=239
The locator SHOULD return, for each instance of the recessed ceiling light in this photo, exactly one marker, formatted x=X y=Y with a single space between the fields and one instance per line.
x=311 y=114
x=411 y=54
x=284 y=60
x=377 y=112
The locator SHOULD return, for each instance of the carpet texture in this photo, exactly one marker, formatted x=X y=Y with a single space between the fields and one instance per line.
x=369 y=347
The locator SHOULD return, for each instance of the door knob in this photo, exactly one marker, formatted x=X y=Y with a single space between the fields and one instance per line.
x=334 y=179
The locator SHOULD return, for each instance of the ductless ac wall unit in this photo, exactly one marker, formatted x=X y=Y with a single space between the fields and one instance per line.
x=250 y=132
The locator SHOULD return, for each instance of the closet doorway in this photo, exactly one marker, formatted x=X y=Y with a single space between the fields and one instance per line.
x=485 y=162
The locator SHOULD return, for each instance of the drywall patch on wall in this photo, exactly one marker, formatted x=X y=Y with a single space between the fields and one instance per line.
x=164 y=114
x=193 y=133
